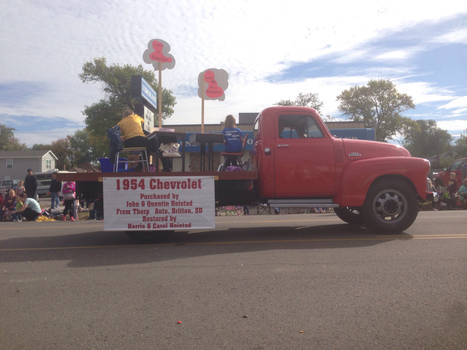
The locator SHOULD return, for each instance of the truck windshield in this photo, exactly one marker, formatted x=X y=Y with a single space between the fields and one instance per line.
x=256 y=127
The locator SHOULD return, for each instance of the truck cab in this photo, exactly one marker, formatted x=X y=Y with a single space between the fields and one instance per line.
x=301 y=164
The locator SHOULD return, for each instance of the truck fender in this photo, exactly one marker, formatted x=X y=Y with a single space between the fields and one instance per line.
x=359 y=175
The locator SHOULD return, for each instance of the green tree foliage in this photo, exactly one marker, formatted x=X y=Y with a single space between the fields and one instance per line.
x=116 y=84
x=41 y=147
x=378 y=104
x=74 y=151
x=444 y=161
x=424 y=139
x=101 y=116
x=82 y=150
x=306 y=100
x=62 y=149
x=461 y=145
x=8 y=141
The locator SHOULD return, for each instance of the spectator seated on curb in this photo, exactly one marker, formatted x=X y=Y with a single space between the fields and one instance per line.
x=462 y=194
x=452 y=189
x=1 y=206
x=30 y=209
x=9 y=205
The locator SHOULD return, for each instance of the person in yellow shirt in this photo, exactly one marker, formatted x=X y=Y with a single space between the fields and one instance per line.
x=131 y=129
x=131 y=132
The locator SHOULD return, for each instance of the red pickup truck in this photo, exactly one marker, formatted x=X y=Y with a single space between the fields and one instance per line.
x=300 y=164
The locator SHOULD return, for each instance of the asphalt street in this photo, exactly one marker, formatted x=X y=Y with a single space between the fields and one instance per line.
x=255 y=282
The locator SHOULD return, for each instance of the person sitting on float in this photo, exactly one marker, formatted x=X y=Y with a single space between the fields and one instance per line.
x=233 y=142
x=131 y=129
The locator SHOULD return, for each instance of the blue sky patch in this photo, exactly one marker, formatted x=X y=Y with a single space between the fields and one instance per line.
x=17 y=93
x=416 y=54
x=186 y=90
x=30 y=123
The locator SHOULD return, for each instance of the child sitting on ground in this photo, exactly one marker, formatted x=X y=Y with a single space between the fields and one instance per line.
x=19 y=205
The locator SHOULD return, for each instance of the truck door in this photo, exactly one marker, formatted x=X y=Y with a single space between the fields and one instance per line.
x=304 y=162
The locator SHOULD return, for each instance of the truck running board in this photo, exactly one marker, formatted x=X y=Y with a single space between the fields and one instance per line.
x=303 y=203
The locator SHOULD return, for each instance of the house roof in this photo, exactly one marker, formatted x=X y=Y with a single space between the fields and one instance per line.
x=26 y=154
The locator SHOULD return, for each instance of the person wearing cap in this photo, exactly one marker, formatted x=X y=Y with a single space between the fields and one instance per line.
x=30 y=184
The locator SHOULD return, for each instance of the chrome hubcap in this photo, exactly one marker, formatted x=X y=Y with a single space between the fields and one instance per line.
x=389 y=205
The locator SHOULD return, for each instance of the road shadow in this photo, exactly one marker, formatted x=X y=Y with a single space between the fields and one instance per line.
x=106 y=248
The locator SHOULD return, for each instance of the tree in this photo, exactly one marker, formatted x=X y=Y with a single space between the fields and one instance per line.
x=378 y=105
x=82 y=150
x=306 y=100
x=74 y=151
x=461 y=145
x=116 y=84
x=62 y=149
x=8 y=141
x=41 y=147
x=424 y=139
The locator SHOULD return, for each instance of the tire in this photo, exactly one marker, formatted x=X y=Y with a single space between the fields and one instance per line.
x=351 y=216
x=391 y=206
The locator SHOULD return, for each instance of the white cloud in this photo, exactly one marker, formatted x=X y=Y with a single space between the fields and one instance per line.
x=453 y=125
x=424 y=92
x=43 y=137
x=398 y=55
x=351 y=56
x=457 y=36
x=257 y=95
x=50 y=40
x=459 y=103
x=460 y=111
x=394 y=55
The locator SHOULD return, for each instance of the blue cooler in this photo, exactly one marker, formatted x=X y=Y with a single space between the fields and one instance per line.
x=107 y=166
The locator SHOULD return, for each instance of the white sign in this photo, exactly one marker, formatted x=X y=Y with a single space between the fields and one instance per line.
x=158 y=203
x=148 y=119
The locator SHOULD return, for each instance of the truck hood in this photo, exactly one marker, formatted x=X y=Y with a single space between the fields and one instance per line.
x=361 y=149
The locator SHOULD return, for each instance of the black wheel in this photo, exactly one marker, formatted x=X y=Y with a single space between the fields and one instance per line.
x=350 y=215
x=391 y=206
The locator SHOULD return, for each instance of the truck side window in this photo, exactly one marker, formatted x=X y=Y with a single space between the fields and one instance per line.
x=298 y=126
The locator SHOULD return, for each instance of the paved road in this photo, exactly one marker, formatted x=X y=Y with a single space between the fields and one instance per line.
x=258 y=282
